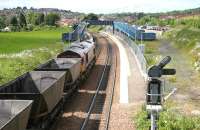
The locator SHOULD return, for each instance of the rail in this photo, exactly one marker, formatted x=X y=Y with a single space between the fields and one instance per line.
x=112 y=92
x=91 y=106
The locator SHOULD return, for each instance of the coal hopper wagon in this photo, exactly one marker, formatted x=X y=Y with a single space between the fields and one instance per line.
x=72 y=69
x=14 y=114
x=33 y=100
x=45 y=88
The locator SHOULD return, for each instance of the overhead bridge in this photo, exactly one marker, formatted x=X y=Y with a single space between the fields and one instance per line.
x=131 y=31
x=100 y=22
x=78 y=33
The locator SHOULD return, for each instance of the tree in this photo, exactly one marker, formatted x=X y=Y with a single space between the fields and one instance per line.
x=18 y=8
x=39 y=19
x=14 y=21
x=2 y=22
x=51 y=19
x=140 y=15
x=75 y=26
x=22 y=20
x=31 y=18
x=24 y=8
x=91 y=16
x=144 y=20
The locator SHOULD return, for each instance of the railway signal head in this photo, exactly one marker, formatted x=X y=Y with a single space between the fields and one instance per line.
x=157 y=71
x=154 y=89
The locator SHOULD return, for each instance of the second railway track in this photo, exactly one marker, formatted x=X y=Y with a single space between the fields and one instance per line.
x=97 y=114
x=100 y=110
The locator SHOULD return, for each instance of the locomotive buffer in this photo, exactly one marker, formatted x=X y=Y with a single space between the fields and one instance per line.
x=154 y=96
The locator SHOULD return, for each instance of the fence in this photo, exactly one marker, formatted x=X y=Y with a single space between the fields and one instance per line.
x=133 y=31
x=168 y=87
x=140 y=57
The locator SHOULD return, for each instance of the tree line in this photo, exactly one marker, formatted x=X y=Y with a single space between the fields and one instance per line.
x=27 y=21
x=151 y=20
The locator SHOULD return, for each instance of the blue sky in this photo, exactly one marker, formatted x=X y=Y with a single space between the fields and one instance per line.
x=105 y=6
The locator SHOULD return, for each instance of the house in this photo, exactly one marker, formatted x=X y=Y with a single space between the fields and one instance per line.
x=6 y=29
x=67 y=22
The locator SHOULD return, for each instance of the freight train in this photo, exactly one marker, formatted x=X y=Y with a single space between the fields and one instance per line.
x=33 y=100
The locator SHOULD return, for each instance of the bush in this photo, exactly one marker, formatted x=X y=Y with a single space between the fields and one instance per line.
x=142 y=123
x=15 y=28
x=30 y=27
x=51 y=19
x=91 y=16
x=14 y=67
x=168 y=120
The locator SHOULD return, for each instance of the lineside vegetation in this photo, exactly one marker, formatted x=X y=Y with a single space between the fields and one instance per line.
x=23 y=51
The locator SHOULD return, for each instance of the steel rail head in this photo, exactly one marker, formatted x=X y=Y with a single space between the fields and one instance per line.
x=83 y=126
x=112 y=95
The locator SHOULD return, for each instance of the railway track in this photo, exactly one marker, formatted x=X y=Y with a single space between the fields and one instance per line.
x=98 y=114
x=90 y=97
x=98 y=101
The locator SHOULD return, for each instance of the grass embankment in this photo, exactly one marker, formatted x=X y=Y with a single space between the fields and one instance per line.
x=182 y=112
x=188 y=41
x=169 y=119
x=152 y=54
x=22 y=51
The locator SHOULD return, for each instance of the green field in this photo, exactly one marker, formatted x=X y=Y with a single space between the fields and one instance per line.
x=14 y=42
x=23 y=51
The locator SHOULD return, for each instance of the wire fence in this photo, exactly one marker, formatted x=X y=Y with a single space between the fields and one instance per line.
x=168 y=87
x=137 y=51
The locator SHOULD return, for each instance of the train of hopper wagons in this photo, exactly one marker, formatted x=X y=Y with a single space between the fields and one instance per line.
x=33 y=101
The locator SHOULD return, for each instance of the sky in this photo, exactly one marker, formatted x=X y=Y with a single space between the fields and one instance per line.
x=105 y=6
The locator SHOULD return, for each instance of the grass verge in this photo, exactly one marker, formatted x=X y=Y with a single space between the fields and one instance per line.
x=174 y=116
x=169 y=119
x=16 y=65
x=151 y=52
x=23 y=51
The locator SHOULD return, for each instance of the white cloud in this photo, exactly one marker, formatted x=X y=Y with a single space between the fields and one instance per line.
x=105 y=6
